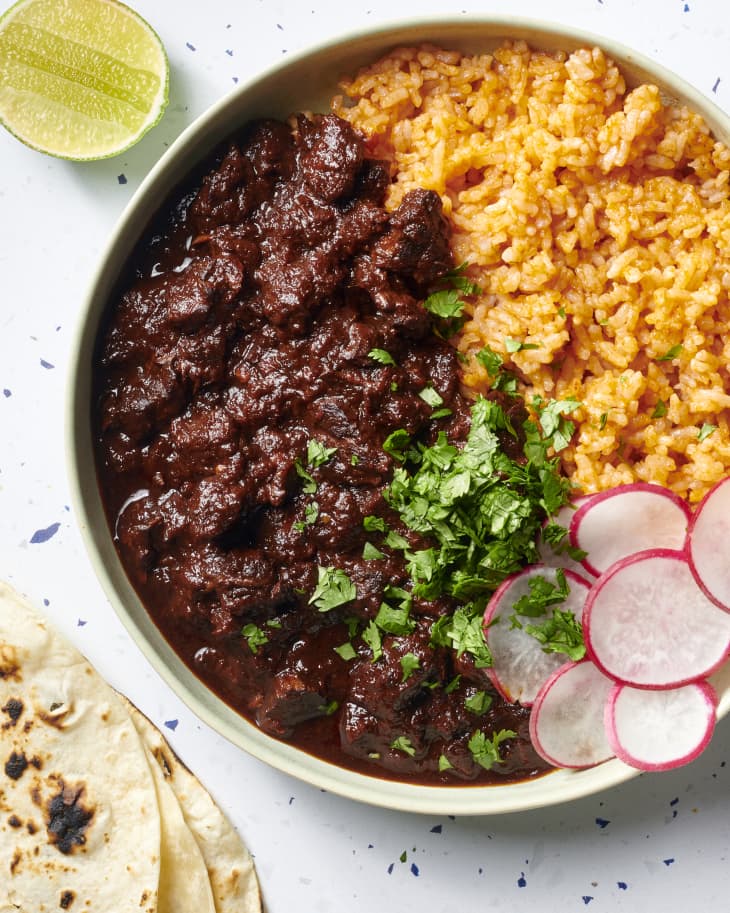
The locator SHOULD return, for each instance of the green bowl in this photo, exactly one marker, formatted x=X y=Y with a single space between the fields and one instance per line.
x=307 y=81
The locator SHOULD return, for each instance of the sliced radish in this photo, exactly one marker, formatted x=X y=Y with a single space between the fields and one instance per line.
x=558 y=557
x=626 y=520
x=566 y=723
x=520 y=666
x=709 y=544
x=659 y=730
x=647 y=623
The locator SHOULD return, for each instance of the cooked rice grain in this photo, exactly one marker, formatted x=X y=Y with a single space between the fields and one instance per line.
x=597 y=222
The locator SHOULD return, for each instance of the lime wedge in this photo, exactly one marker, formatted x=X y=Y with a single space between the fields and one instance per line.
x=80 y=79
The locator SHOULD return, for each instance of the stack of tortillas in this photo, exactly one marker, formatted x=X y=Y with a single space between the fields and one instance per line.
x=96 y=812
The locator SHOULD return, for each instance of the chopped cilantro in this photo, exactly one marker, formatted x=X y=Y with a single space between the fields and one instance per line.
x=371 y=636
x=481 y=512
x=660 y=410
x=371 y=553
x=560 y=633
x=561 y=312
x=309 y=486
x=457 y=279
x=478 y=703
x=396 y=443
x=555 y=427
x=393 y=386
x=334 y=588
x=453 y=684
x=446 y=303
x=318 y=454
x=444 y=763
x=542 y=594
x=514 y=345
x=373 y=524
x=602 y=421
x=330 y=708
x=671 y=354
x=346 y=651
x=381 y=356
x=311 y=512
x=254 y=636
x=705 y=431
x=409 y=663
x=394 y=620
x=354 y=459
x=273 y=623
x=441 y=413
x=485 y=750
x=431 y=396
x=490 y=360
x=403 y=743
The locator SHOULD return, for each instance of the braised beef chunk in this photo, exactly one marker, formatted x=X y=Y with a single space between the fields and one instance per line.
x=268 y=341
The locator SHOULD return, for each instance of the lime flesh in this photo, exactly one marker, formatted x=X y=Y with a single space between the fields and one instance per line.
x=80 y=79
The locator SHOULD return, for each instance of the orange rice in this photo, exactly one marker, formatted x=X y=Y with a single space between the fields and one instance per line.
x=596 y=219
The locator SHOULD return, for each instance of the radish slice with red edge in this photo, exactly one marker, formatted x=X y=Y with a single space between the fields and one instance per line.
x=708 y=544
x=567 y=720
x=647 y=623
x=558 y=557
x=628 y=519
x=520 y=666
x=660 y=730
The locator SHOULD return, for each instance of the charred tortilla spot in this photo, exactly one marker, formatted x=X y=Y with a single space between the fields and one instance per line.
x=9 y=666
x=16 y=765
x=68 y=819
x=162 y=760
x=67 y=898
x=14 y=862
x=13 y=708
x=31 y=827
x=14 y=821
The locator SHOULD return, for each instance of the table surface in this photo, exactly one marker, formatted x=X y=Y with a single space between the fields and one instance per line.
x=659 y=842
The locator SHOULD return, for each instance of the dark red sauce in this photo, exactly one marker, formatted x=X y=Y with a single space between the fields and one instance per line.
x=242 y=336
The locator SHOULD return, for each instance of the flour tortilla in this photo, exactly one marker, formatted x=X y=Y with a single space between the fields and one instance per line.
x=184 y=883
x=230 y=867
x=79 y=818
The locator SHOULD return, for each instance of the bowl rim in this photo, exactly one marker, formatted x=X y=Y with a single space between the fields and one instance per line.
x=550 y=789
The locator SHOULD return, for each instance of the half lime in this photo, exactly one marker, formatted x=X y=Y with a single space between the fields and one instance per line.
x=80 y=79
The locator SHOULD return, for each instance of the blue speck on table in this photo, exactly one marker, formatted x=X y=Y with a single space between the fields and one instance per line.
x=46 y=364
x=43 y=535
x=522 y=881
x=171 y=724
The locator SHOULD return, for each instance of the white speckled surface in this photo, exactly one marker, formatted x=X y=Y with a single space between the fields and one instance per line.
x=658 y=843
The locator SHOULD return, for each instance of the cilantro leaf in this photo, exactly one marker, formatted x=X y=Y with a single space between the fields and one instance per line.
x=514 y=345
x=394 y=620
x=403 y=743
x=311 y=512
x=334 y=588
x=490 y=360
x=705 y=431
x=560 y=633
x=396 y=443
x=478 y=703
x=444 y=763
x=660 y=410
x=346 y=651
x=446 y=303
x=431 y=396
x=254 y=636
x=671 y=354
x=310 y=486
x=409 y=663
x=373 y=524
x=318 y=454
x=371 y=553
x=485 y=750
x=542 y=594
x=381 y=356
x=371 y=636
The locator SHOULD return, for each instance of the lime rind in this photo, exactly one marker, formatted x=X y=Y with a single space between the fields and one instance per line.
x=84 y=103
